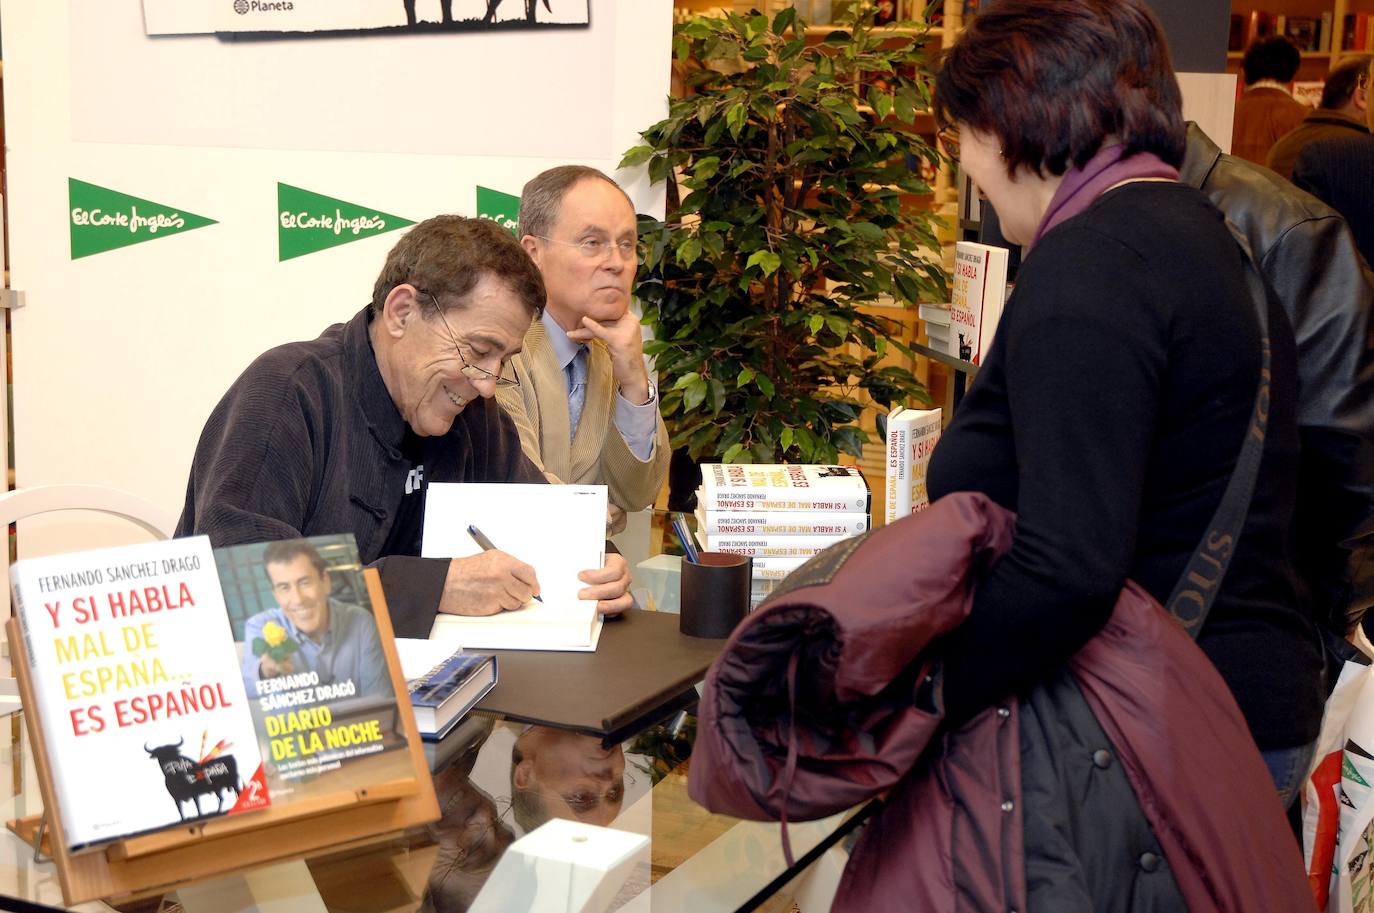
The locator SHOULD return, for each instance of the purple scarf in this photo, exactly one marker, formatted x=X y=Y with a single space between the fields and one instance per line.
x=1105 y=169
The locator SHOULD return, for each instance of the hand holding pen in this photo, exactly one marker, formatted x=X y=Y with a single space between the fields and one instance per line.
x=486 y=584
x=487 y=546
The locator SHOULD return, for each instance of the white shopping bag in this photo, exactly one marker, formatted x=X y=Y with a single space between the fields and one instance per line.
x=1338 y=798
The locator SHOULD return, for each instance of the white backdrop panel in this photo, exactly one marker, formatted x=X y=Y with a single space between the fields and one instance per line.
x=120 y=356
x=540 y=92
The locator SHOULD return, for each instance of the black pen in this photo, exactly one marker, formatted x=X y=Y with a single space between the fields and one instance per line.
x=487 y=546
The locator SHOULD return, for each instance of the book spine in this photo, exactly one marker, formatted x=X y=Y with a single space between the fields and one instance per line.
x=1328 y=18
x=810 y=523
x=782 y=487
x=756 y=500
x=774 y=573
x=440 y=683
x=47 y=707
x=898 y=470
x=779 y=547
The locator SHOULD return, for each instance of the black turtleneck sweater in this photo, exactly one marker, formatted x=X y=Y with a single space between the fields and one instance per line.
x=1108 y=414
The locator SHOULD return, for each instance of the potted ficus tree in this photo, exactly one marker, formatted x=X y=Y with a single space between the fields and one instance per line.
x=801 y=172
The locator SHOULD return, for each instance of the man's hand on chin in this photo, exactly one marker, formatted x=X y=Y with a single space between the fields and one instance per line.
x=608 y=585
x=486 y=584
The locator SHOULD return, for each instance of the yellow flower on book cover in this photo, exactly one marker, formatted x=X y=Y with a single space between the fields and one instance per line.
x=273 y=633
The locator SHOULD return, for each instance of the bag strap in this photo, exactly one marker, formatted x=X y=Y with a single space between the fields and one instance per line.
x=1192 y=597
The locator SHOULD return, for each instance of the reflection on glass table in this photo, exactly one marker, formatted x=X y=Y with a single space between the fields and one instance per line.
x=498 y=780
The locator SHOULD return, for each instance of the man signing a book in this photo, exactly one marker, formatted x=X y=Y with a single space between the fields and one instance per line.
x=342 y=433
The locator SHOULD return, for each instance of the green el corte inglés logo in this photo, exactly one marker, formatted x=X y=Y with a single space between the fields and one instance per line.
x=103 y=219
x=308 y=222
x=501 y=208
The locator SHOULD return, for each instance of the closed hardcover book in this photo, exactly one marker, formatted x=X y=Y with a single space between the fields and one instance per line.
x=782 y=487
x=980 y=290
x=781 y=523
x=143 y=713
x=444 y=690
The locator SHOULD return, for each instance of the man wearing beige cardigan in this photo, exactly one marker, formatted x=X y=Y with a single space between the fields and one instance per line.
x=585 y=408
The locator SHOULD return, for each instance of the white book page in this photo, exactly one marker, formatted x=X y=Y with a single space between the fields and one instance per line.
x=558 y=529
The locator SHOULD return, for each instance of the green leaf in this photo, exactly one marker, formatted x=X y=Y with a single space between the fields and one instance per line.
x=736 y=117
x=696 y=392
x=765 y=385
x=731 y=453
x=784 y=19
x=716 y=391
x=636 y=156
x=706 y=167
x=686 y=380
x=815 y=322
x=906 y=111
x=766 y=260
x=688 y=252
x=745 y=375
x=785 y=439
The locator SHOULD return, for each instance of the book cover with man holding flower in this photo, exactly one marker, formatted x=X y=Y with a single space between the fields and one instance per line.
x=312 y=663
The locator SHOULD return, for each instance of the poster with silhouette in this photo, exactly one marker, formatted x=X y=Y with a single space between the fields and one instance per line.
x=191 y=17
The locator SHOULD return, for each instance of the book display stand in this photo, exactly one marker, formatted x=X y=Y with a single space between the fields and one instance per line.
x=155 y=863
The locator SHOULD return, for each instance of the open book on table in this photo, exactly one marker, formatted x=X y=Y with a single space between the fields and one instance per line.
x=560 y=530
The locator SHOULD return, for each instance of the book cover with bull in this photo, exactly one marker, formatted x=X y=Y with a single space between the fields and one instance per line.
x=143 y=710
x=311 y=661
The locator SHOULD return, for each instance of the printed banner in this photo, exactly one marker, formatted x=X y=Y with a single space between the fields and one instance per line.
x=308 y=222
x=103 y=219
x=499 y=207
x=189 y=17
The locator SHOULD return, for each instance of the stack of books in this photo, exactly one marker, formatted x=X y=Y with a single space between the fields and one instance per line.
x=780 y=515
x=935 y=317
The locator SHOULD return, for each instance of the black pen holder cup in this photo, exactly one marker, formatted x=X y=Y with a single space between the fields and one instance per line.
x=715 y=594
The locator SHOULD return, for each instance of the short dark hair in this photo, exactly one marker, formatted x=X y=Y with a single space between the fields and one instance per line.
x=542 y=196
x=448 y=255
x=1052 y=80
x=288 y=550
x=1274 y=58
x=1342 y=81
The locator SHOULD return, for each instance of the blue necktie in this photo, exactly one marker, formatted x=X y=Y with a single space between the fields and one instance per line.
x=577 y=389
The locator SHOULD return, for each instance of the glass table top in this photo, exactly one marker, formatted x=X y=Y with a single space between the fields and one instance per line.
x=496 y=781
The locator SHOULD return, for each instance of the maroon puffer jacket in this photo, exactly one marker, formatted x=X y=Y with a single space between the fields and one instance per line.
x=809 y=711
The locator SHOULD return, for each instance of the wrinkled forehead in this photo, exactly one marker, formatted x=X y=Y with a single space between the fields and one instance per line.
x=492 y=317
x=595 y=205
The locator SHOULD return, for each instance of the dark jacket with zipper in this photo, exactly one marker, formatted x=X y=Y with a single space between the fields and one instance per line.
x=1308 y=254
x=307 y=442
